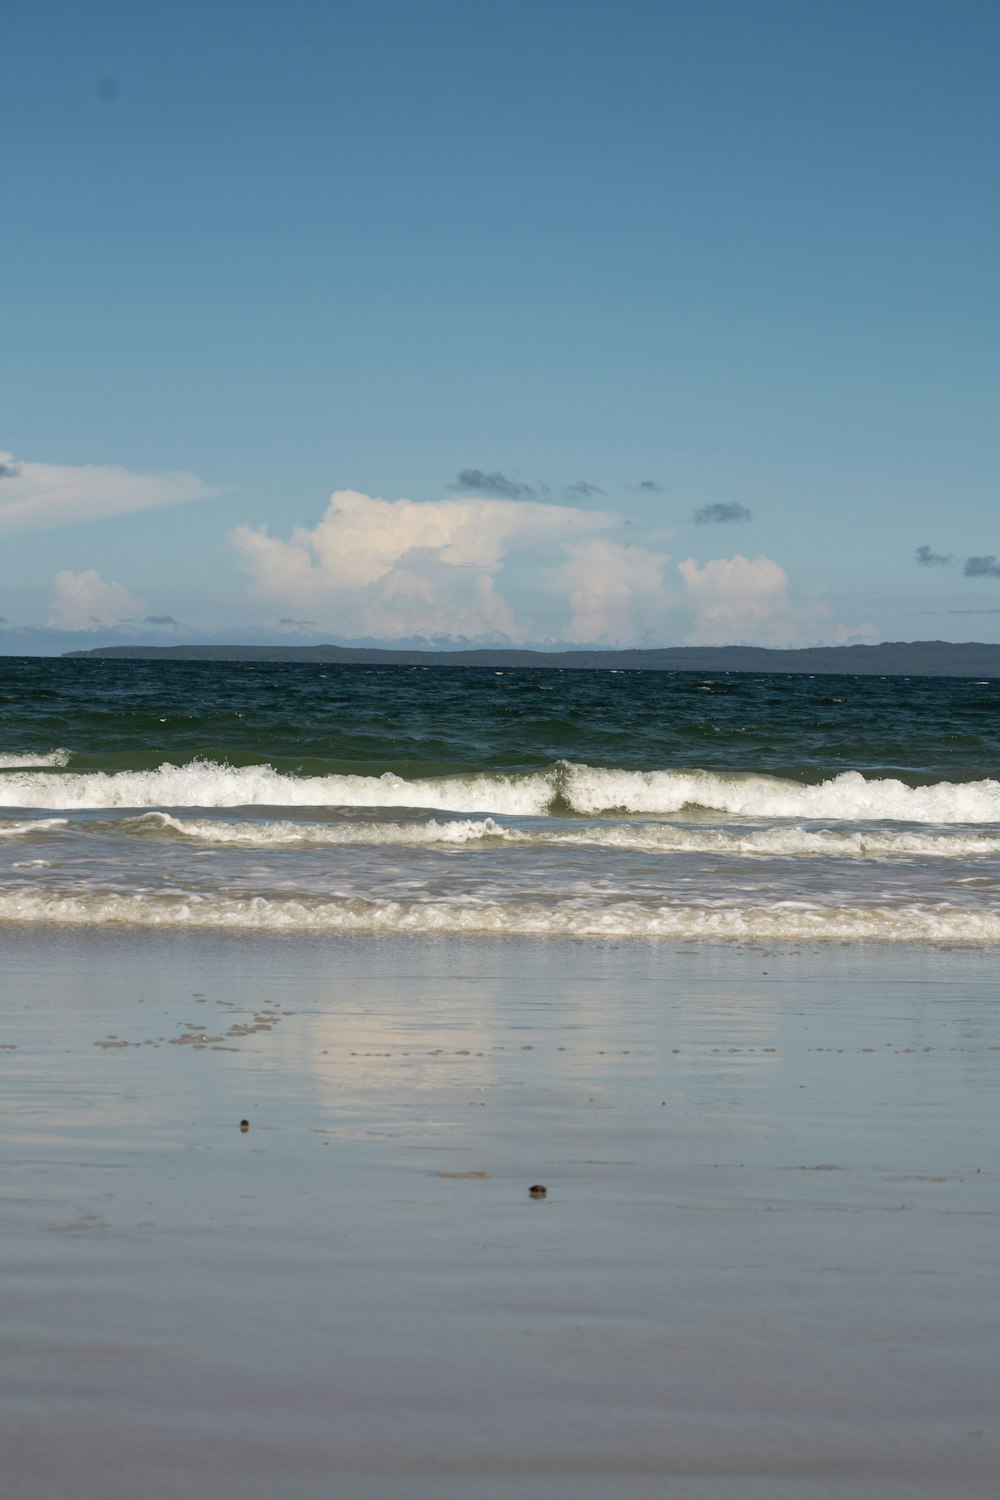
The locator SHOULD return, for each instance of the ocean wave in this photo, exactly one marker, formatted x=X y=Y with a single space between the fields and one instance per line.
x=209 y=784
x=21 y=759
x=848 y=797
x=642 y=838
x=785 y=921
x=580 y=789
x=16 y=827
x=784 y=842
x=268 y=835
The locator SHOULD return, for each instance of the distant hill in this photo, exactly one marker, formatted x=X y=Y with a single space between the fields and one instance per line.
x=890 y=659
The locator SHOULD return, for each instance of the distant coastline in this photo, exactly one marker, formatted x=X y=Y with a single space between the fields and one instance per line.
x=890 y=659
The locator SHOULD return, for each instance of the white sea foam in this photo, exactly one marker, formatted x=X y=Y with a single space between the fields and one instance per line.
x=782 y=842
x=208 y=784
x=849 y=796
x=786 y=842
x=777 y=922
x=645 y=838
x=266 y=835
x=586 y=790
x=19 y=760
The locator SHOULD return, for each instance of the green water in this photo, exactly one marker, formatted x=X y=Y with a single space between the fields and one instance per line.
x=309 y=719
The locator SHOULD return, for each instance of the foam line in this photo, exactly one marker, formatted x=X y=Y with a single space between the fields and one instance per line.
x=789 y=921
x=644 y=838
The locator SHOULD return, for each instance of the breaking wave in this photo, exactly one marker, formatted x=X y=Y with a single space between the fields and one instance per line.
x=21 y=759
x=849 y=796
x=209 y=784
x=585 y=790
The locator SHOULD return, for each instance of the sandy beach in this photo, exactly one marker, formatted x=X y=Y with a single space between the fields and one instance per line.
x=765 y=1263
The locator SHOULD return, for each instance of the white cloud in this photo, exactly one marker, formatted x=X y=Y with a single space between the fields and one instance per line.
x=389 y=568
x=517 y=571
x=37 y=496
x=84 y=601
x=616 y=593
x=740 y=600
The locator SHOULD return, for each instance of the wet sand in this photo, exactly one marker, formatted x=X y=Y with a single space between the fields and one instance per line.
x=765 y=1264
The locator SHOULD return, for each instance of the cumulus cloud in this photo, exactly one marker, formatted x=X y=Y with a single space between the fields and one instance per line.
x=391 y=568
x=722 y=512
x=581 y=490
x=930 y=559
x=514 y=571
x=616 y=593
x=159 y=620
x=742 y=600
x=982 y=567
x=495 y=486
x=84 y=601
x=38 y=496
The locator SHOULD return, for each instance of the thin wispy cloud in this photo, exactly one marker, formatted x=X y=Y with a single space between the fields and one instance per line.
x=648 y=486
x=930 y=559
x=495 y=486
x=721 y=513
x=35 y=497
x=982 y=567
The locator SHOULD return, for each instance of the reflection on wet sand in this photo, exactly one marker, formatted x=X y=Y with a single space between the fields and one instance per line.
x=464 y=1219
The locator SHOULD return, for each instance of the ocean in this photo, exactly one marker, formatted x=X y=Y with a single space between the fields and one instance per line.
x=567 y=804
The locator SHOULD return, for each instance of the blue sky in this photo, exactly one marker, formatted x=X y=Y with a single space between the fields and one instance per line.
x=633 y=323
